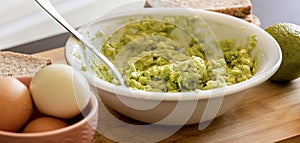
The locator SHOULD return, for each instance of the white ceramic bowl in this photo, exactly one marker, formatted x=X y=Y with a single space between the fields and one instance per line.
x=178 y=108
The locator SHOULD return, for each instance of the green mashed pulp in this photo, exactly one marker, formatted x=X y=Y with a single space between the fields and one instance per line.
x=151 y=58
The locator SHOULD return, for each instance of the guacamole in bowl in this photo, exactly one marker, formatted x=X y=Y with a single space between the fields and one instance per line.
x=150 y=55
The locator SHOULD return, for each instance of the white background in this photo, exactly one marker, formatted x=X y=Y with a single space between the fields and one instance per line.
x=23 y=21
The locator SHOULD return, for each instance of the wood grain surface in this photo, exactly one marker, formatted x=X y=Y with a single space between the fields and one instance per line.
x=269 y=112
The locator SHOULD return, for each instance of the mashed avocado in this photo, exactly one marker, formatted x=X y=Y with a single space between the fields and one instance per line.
x=162 y=56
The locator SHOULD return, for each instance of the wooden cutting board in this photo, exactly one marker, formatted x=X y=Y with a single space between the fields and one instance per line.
x=269 y=112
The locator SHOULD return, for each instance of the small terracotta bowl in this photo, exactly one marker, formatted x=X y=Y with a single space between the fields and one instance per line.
x=81 y=129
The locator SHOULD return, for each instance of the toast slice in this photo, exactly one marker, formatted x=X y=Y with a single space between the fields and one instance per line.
x=238 y=8
x=256 y=21
x=253 y=19
x=18 y=65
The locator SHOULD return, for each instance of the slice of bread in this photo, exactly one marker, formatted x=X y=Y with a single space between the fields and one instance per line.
x=238 y=8
x=18 y=65
x=253 y=19
x=256 y=21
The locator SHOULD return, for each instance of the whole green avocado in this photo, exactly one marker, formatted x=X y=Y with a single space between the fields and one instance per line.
x=288 y=37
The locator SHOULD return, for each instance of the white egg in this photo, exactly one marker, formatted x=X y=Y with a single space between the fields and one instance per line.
x=59 y=90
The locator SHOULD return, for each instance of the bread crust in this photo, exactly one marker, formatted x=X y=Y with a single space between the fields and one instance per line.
x=18 y=65
x=240 y=12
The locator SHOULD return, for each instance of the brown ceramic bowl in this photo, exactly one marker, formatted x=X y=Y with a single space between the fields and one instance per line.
x=81 y=130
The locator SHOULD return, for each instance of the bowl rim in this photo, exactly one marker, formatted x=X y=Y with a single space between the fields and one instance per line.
x=257 y=79
x=93 y=111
